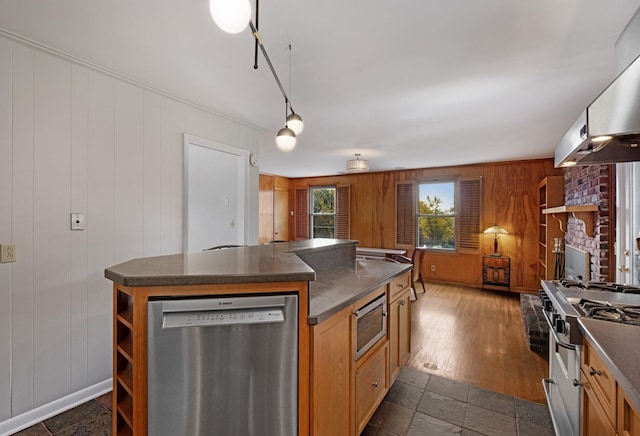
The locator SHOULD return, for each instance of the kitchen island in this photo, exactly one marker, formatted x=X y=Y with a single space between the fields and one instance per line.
x=330 y=284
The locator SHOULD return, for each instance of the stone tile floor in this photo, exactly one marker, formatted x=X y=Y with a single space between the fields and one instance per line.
x=418 y=404
x=421 y=404
x=92 y=418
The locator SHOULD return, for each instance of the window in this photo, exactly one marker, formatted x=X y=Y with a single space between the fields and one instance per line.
x=323 y=212
x=437 y=215
x=444 y=216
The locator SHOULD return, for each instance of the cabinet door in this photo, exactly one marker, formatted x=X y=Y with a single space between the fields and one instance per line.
x=332 y=360
x=399 y=334
x=594 y=418
x=404 y=333
x=628 y=417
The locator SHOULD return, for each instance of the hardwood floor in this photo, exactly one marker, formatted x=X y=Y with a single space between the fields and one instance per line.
x=475 y=336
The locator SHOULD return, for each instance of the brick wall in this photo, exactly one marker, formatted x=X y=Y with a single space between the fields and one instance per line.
x=590 y=185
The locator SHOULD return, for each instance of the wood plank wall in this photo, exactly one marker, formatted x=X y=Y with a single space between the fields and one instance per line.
x=510 y=199
x=77 y=139
x=266 y=208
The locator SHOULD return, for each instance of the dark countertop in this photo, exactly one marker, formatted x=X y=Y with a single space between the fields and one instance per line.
x=336 y=288
x=278 y=262
x=335 y=278
x=619 y=347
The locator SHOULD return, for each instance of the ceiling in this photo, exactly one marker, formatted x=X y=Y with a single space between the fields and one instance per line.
x=406 y=83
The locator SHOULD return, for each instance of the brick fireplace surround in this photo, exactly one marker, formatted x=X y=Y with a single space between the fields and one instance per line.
x=592 y=184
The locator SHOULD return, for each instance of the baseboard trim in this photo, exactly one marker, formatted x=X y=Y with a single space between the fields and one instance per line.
x=39 y=414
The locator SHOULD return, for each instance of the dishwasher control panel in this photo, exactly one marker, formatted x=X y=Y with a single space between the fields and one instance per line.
x=222 y=317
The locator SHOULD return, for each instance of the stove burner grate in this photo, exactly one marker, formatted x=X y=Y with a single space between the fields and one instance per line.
x=609 y=312
x=600 y=286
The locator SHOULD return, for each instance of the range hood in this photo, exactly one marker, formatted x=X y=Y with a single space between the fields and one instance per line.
x=608 y=131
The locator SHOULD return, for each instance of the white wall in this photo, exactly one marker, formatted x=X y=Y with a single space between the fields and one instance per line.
x=75 y=139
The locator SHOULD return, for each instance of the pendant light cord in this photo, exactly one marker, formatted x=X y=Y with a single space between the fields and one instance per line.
x=256 y=35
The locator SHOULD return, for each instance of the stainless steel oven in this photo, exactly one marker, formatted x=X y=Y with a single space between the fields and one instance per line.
x=371 y=324
x=563 y=303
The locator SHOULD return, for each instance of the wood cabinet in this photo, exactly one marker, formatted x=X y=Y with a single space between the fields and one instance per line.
x=605 y=408
x=399 y=315
x=346 y=392
x=372 y=383
x=599 y=380
x=332 y=365
x=129 y=408
x=628 y=418
x=550 y=194
x=595 y=420
x=496 y=271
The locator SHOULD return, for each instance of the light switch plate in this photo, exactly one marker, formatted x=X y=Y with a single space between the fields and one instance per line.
x=7 y=252
x=77 y=221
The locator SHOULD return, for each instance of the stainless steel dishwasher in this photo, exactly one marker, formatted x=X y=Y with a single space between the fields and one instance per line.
x=223 y=366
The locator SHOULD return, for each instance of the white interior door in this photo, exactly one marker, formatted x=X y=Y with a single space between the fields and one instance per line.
x=628 y=223
x=215 y=194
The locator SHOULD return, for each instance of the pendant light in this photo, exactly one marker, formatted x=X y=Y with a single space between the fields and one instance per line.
x=294 y=121
x=286 y=137
x=232 y=16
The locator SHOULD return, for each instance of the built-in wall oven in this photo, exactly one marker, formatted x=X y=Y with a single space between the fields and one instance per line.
x=371 y=324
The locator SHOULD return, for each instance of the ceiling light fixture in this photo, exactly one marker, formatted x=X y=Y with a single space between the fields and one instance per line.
x=356 y=165
x=232 y=16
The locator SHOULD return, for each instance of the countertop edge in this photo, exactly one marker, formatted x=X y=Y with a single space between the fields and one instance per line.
x=228 y=279
x=314 y=319
x=627 y=386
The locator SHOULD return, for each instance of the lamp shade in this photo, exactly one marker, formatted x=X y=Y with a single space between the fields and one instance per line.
x=286 y=139
x=294 y=122
x=232 y=16
x=496 y=230
x=357 y=166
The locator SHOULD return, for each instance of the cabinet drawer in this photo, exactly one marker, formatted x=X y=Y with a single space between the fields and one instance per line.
x=595 y=419
x=398 y=285
x=371 y=386
x=600 y=379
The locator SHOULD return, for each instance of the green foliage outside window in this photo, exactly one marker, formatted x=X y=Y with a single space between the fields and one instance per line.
x=323 y=212
x=437 y=216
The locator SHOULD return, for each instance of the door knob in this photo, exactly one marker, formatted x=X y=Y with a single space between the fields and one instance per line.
x=623 y=268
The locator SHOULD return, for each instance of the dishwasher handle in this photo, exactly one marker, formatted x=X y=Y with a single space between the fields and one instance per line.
x=211 y=312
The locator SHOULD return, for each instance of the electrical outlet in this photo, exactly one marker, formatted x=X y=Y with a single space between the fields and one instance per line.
x=7 y=252
x=433 y=268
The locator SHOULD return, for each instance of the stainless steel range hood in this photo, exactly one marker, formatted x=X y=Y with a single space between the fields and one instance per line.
x=608 y=131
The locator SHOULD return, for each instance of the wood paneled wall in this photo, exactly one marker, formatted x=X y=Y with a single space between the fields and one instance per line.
x=268 y=185
x=510 y=199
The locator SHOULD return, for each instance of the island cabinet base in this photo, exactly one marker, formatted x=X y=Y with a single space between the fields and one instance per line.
x=345 y=391
x=130 y=346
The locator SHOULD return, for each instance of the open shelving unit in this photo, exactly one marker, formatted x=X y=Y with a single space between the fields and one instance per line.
x=551 y=197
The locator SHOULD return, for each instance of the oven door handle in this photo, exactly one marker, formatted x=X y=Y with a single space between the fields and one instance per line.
x=555 y=336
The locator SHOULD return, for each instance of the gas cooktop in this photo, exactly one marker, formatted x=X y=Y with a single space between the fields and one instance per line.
x=599 y=300
x=599 y=286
